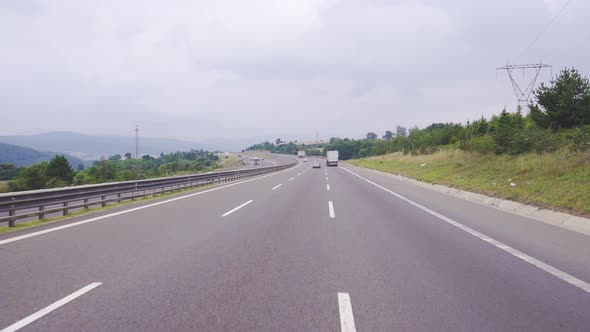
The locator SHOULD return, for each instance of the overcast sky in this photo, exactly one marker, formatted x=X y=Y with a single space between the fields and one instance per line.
x=199 y=70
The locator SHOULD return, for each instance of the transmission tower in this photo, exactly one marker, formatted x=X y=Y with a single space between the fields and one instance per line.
x=523 y=96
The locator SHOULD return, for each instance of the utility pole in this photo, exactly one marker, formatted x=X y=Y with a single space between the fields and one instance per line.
x=136 y=141
x=523 y=96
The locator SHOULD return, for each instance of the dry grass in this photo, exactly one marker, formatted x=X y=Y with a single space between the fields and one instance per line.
x=3 y=186
x=560 y=180
x=229 y=163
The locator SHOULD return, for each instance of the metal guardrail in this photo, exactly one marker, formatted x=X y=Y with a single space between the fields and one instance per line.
x=38 y=203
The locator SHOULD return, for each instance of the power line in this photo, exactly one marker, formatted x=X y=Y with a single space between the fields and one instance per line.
x=547 y=26
x=523 y=96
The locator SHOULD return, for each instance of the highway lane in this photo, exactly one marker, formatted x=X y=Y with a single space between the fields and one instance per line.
x=281 y=262
x=119 y=249
x=562 y=248
x=429 y=275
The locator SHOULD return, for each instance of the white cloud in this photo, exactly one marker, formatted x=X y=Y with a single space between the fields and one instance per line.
x=198 y=69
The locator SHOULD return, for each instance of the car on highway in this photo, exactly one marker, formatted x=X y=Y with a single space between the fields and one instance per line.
x=304 y=160
x=316 y=164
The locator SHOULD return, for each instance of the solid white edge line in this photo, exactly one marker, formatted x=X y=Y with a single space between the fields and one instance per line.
x=331 y=209
x=275 y=187
x=327 y=186
x=29 y=319
x=236 y=208
x=78 y=223
x=533 y=261
x=346 y=315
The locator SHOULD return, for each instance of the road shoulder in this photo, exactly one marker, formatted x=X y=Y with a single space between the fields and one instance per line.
x=567 y=221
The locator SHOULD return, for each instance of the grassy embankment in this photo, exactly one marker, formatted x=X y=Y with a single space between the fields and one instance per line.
x=558 y=181
x=229 y=163
x=3 y=186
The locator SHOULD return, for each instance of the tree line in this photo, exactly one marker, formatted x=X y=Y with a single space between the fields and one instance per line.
x=59 y=173
x=288 y=148
x=558 y=117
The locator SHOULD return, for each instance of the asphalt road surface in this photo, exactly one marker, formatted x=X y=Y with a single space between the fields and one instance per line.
x=330 y=249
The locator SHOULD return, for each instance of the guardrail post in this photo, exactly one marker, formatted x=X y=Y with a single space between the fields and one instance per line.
x=85 y=204
x=65 y=213
x=103 y=203
x=119 y=198
x=41 y=215
x=11 y=221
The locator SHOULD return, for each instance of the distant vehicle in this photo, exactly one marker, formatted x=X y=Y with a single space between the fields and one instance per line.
x=256 y=160
x=305 y=160
x=332 y=158
x=301 y=154
x=316 y=164
x=261 y=158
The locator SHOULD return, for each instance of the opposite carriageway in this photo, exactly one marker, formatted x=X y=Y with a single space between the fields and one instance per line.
x=40 y=203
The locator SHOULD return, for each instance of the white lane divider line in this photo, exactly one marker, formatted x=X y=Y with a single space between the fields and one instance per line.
x=326 y=178
x=299 y=174
x=346 y=316
x=291 y=179
x=82 y=222
x=516 y=253
x=236 y=208
x=28 y=320
x=275 y=187
x=327 y=186
x=331 y=210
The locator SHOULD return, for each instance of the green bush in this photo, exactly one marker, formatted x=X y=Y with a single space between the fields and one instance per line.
x=581 y=139
x=483 y=144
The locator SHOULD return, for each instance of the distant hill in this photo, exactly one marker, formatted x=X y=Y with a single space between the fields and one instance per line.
x=92 y=147
x=23 y=156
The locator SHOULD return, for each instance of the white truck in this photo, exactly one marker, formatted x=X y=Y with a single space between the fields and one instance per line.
x=332 y=158
x=301 y=154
